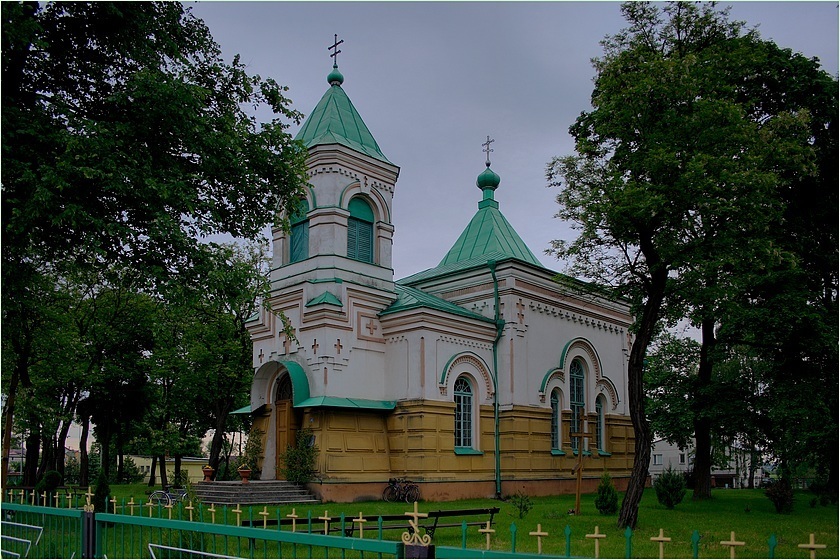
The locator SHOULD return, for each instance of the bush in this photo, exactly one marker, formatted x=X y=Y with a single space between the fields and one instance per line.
x=253 y=453
x=48 y=483
x=781 y=495
x=607 y=499
x=299 y=461
x=522 y=503
x=131 y=472
x=100 y=495
x=670 y=488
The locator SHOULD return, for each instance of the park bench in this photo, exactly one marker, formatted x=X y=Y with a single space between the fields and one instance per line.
x=458 y=517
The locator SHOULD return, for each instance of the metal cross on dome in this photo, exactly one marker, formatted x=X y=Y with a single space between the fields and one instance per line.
x=487 y=149
x=334 y=47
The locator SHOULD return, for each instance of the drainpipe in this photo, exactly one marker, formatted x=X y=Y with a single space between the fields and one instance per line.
x=500 y=327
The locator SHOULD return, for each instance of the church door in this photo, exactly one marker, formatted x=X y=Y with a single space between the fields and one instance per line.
x=285 y=420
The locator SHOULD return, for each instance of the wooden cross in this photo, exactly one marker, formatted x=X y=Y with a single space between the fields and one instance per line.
x=361 y=521
x=487 y=532
x=293 y=516
x=326 y=519
x=212 y=510
x=661 y=539
x=487 y=150
x=150 y=505
x=11 y=495
x=57 y=498
x=812 y=546
x=597 y=536
x=238 y=513
x=190 y=509
x=578 y=468
x=44 y=498
x=169 y=508
x=264 y=514
x=338 y=346
x=113 y=504
x=334 y=47
x=21 y=496
x=539 y=533
x=131 y=506
x=315 y=347
x=371 y=327
x=32 y=497
x=732 y=543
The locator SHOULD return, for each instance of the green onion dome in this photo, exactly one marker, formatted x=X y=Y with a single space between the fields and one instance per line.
x=335 y=77
x=488 y=179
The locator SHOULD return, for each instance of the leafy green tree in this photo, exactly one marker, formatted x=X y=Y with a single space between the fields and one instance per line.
x=676 y=185
x=125 y=138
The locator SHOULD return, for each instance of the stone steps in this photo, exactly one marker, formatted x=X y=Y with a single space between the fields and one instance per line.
x=255 y=492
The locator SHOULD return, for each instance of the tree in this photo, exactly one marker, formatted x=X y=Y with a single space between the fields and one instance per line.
x=125 y=138
x=675 y=187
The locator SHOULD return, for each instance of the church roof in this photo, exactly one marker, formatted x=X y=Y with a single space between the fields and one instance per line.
x=335 y=121
x=412 y=298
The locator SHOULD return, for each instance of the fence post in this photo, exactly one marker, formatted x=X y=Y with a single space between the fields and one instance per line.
x=513 y=538
x=772 y=542
x=568 y=532
x=695 y=544
x=88 y=534
x=628 y=542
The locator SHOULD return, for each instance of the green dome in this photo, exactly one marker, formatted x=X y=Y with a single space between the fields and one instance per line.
x=488 y=179
x=335 y=77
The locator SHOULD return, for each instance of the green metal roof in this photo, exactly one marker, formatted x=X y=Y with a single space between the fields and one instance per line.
x=335 y=121
x=345 y=402
x=412 y=298
x=327 y=298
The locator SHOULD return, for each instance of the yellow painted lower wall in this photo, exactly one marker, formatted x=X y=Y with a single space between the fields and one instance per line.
x=361 y=450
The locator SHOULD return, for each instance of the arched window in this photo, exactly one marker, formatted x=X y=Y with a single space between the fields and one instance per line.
x=555 y=419
x=299 y=238
x=283 y=390
x=576 y=399
x=463 y=413
x=599 y=425
x=360 y=230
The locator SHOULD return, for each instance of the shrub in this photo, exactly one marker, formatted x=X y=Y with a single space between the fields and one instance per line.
x=48 y=483
x=131 y=472
x=299 y=461
x=100 y=495
x=607 y=498
x=781 y=495
x=670 y=488
x=522 y=503
x=253 y=453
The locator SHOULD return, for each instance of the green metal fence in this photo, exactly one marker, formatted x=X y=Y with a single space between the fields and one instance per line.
x=41 y=532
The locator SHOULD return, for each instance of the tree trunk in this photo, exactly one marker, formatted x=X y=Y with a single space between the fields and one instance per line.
x=84 y=460
x=33 y=443
x=629 y=514
x=164 y=483
x=8 y=418
x=702 y=423
x=218 y=437
x=152 y=475
x=177 y=481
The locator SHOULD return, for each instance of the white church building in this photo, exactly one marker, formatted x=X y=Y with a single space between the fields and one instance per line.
x=467 y=378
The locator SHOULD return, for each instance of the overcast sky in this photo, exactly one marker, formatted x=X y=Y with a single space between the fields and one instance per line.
x=432 y=80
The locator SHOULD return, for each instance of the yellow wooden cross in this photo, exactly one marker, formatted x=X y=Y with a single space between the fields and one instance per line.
x=69 y=500
x=578 y=468
x=131 y=505
x=113 y=503
x=190 y=509
x=361 y=521
x=21 y=496
x=150 y=505
x=812 y=546
x=32 y=497
x=487 y=532
x=89 y=506
x=238 y=513
x=44 y=498
x=732 y=543
x=11 y=495
x=539 y=533
x=212 y=510
x=264 y=514
x=169 y=508
x=597 y=536
x=661 y=539
x=57 y=499
x=293 y=516
x=326 y=519
x=413 y=536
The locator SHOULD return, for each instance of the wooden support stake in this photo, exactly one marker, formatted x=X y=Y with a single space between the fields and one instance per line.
x=661 y=539
x=732 y=543
x=539 y=533
x=264 y=514
x=293 y=516
x=812 y=546
x=361 y=521
x=487 y=532
x=326 y=519
x=597 y=536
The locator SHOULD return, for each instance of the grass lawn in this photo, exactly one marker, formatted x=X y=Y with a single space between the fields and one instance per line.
x=746 y=512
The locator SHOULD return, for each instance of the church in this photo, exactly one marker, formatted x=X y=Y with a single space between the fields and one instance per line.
x=483 y=376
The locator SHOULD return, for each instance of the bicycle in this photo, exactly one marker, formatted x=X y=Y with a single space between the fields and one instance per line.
x=401 y=489
x=168 y=496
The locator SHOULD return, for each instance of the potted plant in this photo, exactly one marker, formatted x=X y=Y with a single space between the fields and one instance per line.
x=244 y=472
x=208 y=473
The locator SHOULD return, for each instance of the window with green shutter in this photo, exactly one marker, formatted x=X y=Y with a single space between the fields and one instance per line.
x=360 y=231
x=576 y=399
x=299 y=236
